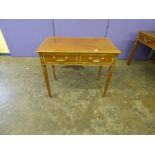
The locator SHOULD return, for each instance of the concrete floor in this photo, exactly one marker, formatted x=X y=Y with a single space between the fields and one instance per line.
x=77 y=106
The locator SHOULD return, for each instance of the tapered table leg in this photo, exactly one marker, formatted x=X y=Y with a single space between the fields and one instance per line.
x=109 y=76
x=133 y=51
x=53 y=69
x=46 y=79
x=99 y=72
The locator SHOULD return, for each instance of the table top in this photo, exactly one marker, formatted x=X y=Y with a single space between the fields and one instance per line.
x=79 y=45
x=149 y=33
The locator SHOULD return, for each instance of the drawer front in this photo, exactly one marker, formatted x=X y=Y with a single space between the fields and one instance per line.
x=147 y=40
x=61 y=58
x=96 y=59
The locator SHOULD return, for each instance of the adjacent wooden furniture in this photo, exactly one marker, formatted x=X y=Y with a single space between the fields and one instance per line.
x=77 y=51
x=145 y=37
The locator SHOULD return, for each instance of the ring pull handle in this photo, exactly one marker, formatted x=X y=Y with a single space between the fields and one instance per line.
x=96 y=60
x=60 y=60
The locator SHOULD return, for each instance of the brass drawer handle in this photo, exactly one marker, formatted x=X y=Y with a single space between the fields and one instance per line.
x=60 y=60
x=96 y=60
x=146 y=40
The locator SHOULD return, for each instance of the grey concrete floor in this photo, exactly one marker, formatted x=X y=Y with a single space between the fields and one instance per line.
x=76 y=106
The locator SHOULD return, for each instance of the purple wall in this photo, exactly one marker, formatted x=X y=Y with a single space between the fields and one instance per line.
x=123 y=33
x=24 y=36
x=80 y=27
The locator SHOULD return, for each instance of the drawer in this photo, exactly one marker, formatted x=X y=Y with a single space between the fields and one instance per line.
x=61 y=58
x=96 y=59
x=147 y=40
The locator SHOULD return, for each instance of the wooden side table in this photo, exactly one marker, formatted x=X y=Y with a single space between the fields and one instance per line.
x=77 y=51
x=145 y=37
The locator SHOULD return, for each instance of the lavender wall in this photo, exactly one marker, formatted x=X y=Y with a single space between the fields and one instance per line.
x=24 y=36
x=80 y=27
x=123 y=33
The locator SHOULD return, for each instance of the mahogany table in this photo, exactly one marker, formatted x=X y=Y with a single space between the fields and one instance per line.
x=77 y=51
x=145 y=37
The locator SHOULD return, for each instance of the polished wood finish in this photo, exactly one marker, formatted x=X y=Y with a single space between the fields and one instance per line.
x=109 y=76
x=77 y=45
x=53 y=69
x=96 y=59
x=77 y=51
x=46 y=79
x=61 y=58
x=99 y=72
x=145 y=37
x=146 y=40
x=133 y=52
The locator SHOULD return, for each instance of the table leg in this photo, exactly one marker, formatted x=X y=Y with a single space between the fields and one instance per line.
x=109 y=76
x=151 y=54
x=109 y=68
x=133 y=51
x=99 y=72
x=153 y=60
x=46 y=79
x=53 y=69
